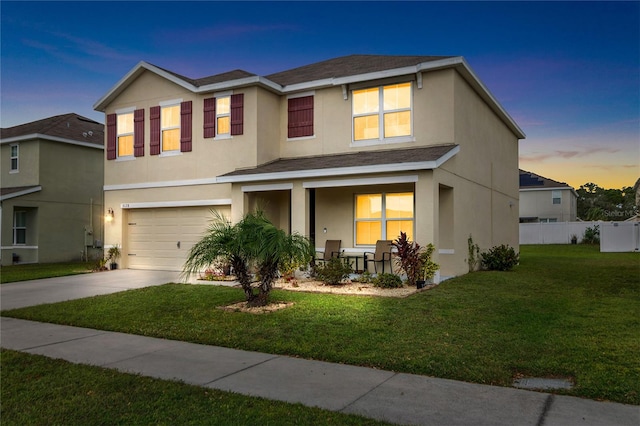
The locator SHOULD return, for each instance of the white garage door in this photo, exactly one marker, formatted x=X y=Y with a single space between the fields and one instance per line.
x=161 y=238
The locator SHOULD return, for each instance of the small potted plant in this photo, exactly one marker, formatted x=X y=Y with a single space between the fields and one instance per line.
x=574 y=239
x=429 y=267
x=113 y=254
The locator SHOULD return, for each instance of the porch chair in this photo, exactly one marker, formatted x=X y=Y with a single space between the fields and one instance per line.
x=331 y=249
x=381 y=255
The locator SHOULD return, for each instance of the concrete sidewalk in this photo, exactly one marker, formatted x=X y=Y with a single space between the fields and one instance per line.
x=394 y=397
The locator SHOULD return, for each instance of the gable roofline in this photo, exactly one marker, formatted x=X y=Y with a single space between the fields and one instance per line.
x=42 y=136
x=544 y=183
x=68 y=128
x=456 y=62
x=8 y=193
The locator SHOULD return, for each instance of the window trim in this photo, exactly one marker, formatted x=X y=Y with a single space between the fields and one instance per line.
x=383 y=215
x=380 y=140
x=126 y=111
x=217 y=97
x=15 y=228
x=16 y=157
x=556 y=194
x=170 y=104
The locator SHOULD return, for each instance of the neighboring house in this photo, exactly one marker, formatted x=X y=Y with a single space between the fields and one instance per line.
x=355 y=148
x=51 y=178
x=545 y=200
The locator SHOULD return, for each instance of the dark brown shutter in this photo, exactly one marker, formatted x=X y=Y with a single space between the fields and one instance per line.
x=237 y=112
x=138 y=133
x=154 y=122
x=111 y=136
x=300 y=111
x=185 y=126
x=209 y=117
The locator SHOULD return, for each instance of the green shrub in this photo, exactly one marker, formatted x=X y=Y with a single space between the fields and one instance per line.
x=387 y=280
x=500 y=258
x=591 y=235
x=333 y=271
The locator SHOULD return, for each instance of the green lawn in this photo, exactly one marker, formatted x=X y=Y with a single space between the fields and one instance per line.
x=34 y=271
x=565 y=311
x=42 y=391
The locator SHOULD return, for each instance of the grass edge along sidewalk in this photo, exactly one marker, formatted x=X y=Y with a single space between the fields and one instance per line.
x=40 y=390
x=566 y=311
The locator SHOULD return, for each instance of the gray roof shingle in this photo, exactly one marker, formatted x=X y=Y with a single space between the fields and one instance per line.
x=345 y=66
x=350 y=160
x=67 y=126
x=529 y=180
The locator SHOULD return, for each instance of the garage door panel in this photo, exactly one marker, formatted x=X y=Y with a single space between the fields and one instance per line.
x=153 y=235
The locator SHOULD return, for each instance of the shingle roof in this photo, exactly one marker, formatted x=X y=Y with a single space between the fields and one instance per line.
x=350 y=160
x=345 y=66
x=67 y=126
x=529 y=180
x=217 y=78
x=17 y=191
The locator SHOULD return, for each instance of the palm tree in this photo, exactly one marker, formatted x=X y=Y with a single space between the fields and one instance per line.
x=222 y=240
x=272 y=248
x=253 y=239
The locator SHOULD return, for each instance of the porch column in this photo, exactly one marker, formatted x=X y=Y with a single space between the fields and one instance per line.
x=426 y=219
x=299 y=209
x=238 y=203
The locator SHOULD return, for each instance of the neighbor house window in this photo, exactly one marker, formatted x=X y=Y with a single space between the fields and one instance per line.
x=20 y=227
x=170 y=128
x=556 y=197
x=382 y=112
x=382 y=216
x=548 y=220
x=125 y=134
x=14 y=158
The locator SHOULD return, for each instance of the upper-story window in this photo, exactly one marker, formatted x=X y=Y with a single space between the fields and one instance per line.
x=170 y=128
x=125 y=134
x=556 y=196
x=382 y=112
x=223 y=115
x=14 y=159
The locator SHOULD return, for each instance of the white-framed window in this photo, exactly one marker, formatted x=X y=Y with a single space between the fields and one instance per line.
x=383 y=112
x=382 y=216
x=170 y=128
x=14 y=155
x=556 y=196
x=223 y=116
x=548 y=220
x=19 y=227
x=124 y=132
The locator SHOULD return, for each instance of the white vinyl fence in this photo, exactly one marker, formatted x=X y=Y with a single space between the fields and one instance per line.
x=619 y=236
x=614 y=236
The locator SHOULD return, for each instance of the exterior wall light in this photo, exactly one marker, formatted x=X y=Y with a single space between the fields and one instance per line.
x=109 y=216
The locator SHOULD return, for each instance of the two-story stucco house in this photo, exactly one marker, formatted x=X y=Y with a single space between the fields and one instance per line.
x=546 y=200
x=51 y=180
x=355 y=148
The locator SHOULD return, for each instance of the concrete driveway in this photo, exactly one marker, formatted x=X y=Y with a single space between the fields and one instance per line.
x=52 y=290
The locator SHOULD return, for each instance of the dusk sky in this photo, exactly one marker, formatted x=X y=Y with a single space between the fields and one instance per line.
x=567 y=72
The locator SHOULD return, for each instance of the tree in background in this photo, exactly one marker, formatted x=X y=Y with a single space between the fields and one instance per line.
x=596 y=203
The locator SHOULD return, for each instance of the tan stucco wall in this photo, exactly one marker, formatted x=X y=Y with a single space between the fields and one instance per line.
x=539 y=204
